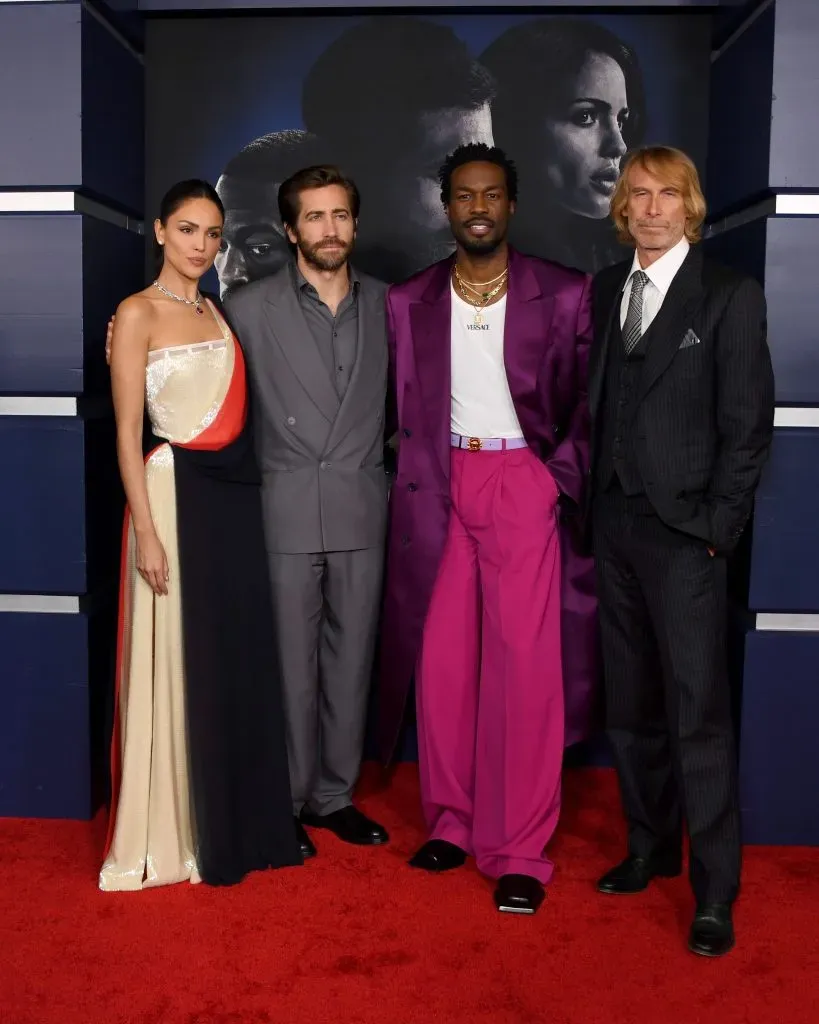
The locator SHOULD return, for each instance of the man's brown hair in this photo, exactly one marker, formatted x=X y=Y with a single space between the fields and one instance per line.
x=310 y=178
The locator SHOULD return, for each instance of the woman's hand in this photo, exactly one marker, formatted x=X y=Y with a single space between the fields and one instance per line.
x=152 y=563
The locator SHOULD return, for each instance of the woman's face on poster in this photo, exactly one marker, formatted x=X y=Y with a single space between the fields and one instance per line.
x=584 y=138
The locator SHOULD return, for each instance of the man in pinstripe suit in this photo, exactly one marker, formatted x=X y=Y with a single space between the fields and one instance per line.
x=682 y=399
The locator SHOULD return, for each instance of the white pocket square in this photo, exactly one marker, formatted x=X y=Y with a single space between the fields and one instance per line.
x=689 y=339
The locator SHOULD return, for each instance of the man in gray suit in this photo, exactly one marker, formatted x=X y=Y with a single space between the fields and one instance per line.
x=315 y=338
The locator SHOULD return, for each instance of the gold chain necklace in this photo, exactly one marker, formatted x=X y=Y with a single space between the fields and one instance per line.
x=485 y=297
x=476 y=285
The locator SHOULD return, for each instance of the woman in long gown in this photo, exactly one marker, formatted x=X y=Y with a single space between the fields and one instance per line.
x=199 y=764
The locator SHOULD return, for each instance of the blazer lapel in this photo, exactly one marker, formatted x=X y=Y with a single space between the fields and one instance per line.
x=600 y=351
x=288 y=326
x=681 y=301
x=370 y=364
x=527 y=325
x=430 y=322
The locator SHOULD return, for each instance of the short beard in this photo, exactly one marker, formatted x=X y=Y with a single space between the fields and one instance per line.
x=479 y=246
x=315 y=257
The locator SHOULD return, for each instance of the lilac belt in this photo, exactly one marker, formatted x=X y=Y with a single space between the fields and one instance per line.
x=488 y=444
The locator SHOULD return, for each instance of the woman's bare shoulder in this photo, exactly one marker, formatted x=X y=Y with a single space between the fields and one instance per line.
x=136 y=309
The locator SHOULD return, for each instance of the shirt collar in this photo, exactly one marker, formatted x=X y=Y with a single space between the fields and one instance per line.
x=302 y=284
x=663 y=271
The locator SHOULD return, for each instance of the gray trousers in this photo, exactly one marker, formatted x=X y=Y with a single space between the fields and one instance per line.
x=326 y=608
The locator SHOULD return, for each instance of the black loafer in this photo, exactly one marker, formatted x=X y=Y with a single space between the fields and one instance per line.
x=518 y=894
x=306 y=846
x=438 y=855
x=633 y=875
x=712 y=933
x=349 y=824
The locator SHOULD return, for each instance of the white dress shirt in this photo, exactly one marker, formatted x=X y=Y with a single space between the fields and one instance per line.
x=660 y=275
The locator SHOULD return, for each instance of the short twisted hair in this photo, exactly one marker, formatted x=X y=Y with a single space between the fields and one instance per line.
x=472 y=153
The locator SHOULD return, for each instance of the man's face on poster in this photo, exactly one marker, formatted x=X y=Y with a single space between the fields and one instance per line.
x=254 y=244
x=443 y=131
x=415 y=192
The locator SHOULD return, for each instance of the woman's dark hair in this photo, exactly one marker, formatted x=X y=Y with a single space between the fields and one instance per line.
x=533 y=65
x=182 y=192
x=179 y=194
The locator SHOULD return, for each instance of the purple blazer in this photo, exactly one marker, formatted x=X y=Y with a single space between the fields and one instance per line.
x=547 y=340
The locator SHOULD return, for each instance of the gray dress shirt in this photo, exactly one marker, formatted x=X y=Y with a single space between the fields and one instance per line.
x=336 y=336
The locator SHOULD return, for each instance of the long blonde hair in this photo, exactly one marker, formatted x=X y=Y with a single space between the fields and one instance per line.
x=669 y=165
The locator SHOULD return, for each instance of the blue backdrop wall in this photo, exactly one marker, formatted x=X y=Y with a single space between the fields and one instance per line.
x=71 y=206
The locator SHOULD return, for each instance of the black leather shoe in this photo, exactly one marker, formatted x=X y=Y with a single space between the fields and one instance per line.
x=712 y=933
x=518 y=894
x=438 y=855
x=633 y=875
x=305 y=844
x=349 y=824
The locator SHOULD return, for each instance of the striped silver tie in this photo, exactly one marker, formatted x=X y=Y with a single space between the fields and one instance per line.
x=633 y=327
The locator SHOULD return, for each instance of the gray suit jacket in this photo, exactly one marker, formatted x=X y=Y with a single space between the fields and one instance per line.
x=322 y=459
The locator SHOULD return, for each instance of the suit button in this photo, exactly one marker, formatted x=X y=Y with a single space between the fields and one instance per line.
x=412 y=487
x=323 y=465
x=407 y=433
x=405 y=539
x=291 y=420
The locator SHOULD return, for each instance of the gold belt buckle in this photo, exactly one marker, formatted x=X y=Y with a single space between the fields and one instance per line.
x=474 y=444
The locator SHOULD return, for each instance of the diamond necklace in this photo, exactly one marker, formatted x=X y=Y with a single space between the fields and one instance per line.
x=196 y=303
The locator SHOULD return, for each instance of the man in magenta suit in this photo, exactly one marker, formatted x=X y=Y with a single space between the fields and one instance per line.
x=489 y=353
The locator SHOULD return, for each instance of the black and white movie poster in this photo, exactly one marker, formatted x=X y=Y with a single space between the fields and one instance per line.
x=246 y=101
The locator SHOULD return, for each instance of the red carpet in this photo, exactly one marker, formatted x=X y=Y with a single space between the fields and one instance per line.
x=357 y=937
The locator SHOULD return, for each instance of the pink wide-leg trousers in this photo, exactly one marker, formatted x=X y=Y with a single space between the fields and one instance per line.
x=489 y=684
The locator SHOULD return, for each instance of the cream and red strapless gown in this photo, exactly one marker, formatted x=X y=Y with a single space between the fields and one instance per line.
x=196 y=669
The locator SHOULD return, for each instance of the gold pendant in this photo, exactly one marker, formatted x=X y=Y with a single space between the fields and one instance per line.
x=478 y=318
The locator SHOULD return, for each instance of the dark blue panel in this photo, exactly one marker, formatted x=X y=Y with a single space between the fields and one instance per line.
x=739 y=129
x=105 y=505
x=42 y=269
x=40 y=86
x=794 y=140
x=744 y=248
x=42 y=514
x=113 y=152
x=778 y=744
x=793 y=307
x=124 y=15
x=785 y=564
x=44 y=722
x=40 y=303
x=113 y=261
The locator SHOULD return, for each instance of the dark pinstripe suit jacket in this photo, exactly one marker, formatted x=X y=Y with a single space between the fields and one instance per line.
x=706 y=397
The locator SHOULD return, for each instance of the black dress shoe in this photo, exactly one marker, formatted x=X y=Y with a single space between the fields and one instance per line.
x=633 y=875
x=349 y=824
x=438 y=855
x=712 y=933
x=518 y=894
x=304 y=841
